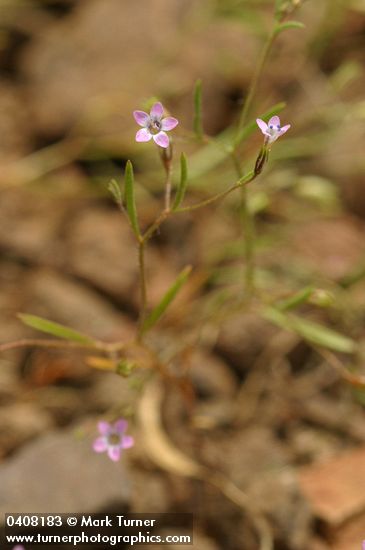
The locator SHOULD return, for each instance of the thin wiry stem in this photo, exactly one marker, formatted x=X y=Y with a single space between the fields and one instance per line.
x=156 y=224
x=246 y=216
x=166 y=156
x=248 y=231
x=142 y=282
x=253 y=86
x=62 y=344
x=240 y=183
x=168 y=188
x=44 y=343
x=142 y=241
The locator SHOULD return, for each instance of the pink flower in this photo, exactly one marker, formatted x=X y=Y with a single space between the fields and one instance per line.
x=272 y=131
x=112 y=439
x=18 y=547
x=154 y=126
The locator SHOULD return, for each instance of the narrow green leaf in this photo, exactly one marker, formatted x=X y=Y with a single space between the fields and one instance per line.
x=180 y=193
x=198 y=124
x=115 y=190
x=44 y=325
x=130 y=199
x=297 y=299
x=288 y=25
x=312 y=332
x=160 y=309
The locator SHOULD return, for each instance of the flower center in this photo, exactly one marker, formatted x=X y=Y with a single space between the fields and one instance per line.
x=114 y=439
x=155 y=126
x=274 y=129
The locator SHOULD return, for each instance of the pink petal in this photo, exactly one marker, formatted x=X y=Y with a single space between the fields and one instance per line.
x=169 y=123
x=100 y=445
x=143 y=135
x=114 y=453
x=161 y=139
x=18 y=547
x=284 y=129
x=127 y=442
x=275 y=121
x=261 y=124
x=104 y=427
x=121 y=425
x=141 y=118
x=157 y=110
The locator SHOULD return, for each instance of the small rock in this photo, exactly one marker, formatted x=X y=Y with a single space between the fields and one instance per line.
x=62 y=300
x=19 y=423
x=335 y=488
x=29 y=225
x=338 y=251
x=59 y=473
x=242 y=337
x=150 y=492
x=103 y=252
x=111 y=391
x=349 y=535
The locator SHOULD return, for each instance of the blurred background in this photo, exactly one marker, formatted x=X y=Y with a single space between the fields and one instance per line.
x=269 y=410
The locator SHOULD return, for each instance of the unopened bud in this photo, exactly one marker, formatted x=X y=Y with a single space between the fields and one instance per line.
x=261 y=159
x=322 y=298
x=125 y=368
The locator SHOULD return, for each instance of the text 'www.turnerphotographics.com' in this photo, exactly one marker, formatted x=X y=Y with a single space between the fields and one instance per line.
x=98 y=529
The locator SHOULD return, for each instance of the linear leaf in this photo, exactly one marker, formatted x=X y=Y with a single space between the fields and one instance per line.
x=160 y=309
x=300 y=297
x=288 y=25
x=115 y=190
x=130 y=199
x=197 y=123
x=49 y=327
x=180 y=193
x=312 y=332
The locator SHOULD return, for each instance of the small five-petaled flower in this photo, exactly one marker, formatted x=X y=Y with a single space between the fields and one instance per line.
x=112 y=439
x=18 y=547
x=154 y=126
x=272 y=131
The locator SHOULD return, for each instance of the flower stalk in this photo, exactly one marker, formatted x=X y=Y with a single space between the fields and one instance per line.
x=142 y=284
x=166 y=155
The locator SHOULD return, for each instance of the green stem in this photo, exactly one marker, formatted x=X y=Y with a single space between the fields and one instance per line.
x=244 y=180
x=156 y=224
x=253 y=86
x=248 y=222
x=105 y=347
x=166 y=156
x=143 y=240
x=248 y=225
x=168 y=189
x=143 y=286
